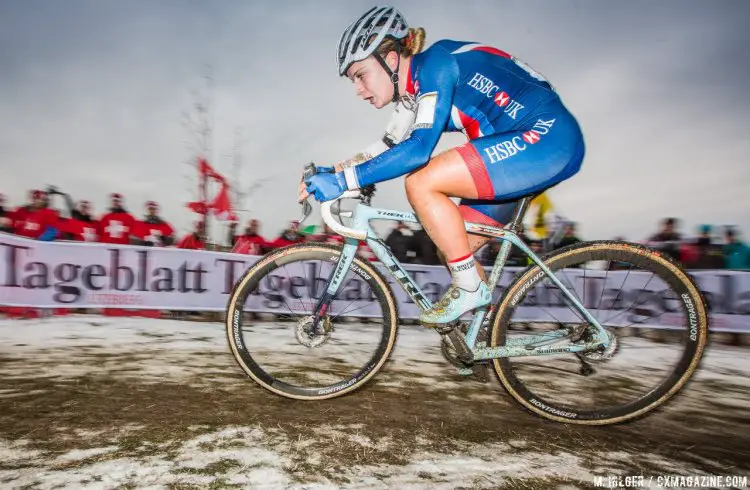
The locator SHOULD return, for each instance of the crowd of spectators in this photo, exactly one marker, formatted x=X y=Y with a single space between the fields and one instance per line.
x=710 y=248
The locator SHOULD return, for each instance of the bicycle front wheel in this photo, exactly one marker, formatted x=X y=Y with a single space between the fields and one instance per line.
x=287 y=355
x=651 y=308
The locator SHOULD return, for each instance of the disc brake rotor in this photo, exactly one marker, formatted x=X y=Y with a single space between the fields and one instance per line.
x=309 y=338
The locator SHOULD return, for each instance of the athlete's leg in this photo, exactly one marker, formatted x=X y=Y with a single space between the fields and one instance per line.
x=428 y=190
x=504 y=166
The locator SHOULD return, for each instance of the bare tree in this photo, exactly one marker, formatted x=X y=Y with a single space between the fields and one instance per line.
x=241 y=193
x=198 y=122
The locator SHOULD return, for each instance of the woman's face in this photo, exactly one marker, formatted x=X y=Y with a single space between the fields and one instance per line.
x=371 y=82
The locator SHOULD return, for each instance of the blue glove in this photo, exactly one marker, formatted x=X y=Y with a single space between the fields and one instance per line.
x=326 y=186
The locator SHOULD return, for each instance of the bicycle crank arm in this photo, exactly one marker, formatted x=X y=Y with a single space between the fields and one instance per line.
x=462 y=350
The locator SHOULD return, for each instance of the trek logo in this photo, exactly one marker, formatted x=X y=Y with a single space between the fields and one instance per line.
x=406 y=283
x=488 y=88
x=517 y=144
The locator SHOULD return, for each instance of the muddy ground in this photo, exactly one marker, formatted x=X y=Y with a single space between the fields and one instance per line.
x=90 y=402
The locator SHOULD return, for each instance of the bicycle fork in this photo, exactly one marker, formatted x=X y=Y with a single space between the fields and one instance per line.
x=334 y=282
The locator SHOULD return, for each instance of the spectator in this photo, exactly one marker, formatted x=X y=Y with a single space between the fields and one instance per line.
x=516 y=257
x=6 y=217
x=37 y=221
x=425 y=249
x=667 y=240
x=154 y=231
x=488 y=253
x=366 y=252
x=194 y=240
x=251 y=242
x=82 y=226
x=736 y=253
x=83 y=212
x=330 y=237
x=20 y=212
x=117 y=225
x=616 y=265
x=537 y=247
x=290 y=236
x=232 y=234
x=399 y=241
x=709 y=254
x=54 y=191
x=569 y=236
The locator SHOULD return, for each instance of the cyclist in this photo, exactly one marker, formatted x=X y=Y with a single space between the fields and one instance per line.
x=522 y=139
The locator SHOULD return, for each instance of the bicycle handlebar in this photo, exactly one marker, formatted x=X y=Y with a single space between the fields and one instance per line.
x=334 y=224
x=327 y=212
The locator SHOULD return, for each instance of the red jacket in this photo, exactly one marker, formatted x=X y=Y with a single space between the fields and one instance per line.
x=250 y=244
x=31 y=223
x=82 y=231
x=192 y=242
x=283 y=241
x=156 y=232
x=116 y=227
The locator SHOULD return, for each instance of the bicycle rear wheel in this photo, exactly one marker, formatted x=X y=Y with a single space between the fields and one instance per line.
x=598 y=388
x=285 y=356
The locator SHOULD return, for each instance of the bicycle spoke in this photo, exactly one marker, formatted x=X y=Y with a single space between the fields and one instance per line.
x=604 y=385
x=307 y=362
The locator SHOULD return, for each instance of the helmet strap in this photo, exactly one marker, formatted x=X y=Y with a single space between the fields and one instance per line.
x=391 y=73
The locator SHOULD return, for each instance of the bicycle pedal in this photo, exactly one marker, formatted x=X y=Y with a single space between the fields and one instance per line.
x=465 y=371
x=479 y=372
x=443 y=328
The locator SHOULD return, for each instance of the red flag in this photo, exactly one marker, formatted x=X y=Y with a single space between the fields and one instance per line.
x=207 y=171
x=222 y=206
x=197 y=207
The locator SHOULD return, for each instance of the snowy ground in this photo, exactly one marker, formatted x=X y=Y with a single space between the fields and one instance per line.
x=91 y=402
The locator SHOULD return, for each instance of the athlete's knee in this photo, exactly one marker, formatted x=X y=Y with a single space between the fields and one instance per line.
x=417 y=183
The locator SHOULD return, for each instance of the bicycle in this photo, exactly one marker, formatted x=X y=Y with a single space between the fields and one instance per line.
x=488 y=335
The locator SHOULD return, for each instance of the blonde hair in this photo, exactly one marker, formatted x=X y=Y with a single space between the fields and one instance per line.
x=410 y=45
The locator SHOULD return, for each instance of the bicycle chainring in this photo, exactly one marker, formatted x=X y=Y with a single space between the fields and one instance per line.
x=449 y=352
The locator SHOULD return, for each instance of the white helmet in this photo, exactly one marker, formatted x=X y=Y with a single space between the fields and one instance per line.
x=355 y=44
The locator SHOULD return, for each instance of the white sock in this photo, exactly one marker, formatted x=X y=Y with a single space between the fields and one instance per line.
x=464 y=272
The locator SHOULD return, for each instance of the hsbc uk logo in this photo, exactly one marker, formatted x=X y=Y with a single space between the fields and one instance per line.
x=488 y=88
x=517 y=144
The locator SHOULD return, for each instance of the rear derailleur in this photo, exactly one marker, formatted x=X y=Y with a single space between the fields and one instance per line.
x=600 y=354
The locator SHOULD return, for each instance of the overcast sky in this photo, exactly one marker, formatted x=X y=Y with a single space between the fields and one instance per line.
x=92 y=92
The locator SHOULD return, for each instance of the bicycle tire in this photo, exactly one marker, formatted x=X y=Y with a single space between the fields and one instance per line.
x=669 y=270
x=299 y=252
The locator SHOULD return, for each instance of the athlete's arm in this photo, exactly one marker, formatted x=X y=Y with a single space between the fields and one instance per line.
x=437 y=79
x=397 y=130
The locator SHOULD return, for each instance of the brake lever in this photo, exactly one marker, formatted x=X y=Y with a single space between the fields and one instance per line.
x=306 y=210
x=309 y=171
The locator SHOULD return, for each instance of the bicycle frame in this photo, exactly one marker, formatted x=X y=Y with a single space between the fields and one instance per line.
x=360 y=230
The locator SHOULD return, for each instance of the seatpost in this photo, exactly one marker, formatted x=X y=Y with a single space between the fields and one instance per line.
x=518 y=213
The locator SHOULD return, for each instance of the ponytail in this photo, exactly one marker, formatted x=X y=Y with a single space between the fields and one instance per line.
x=409 y=46
x=414 y=41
